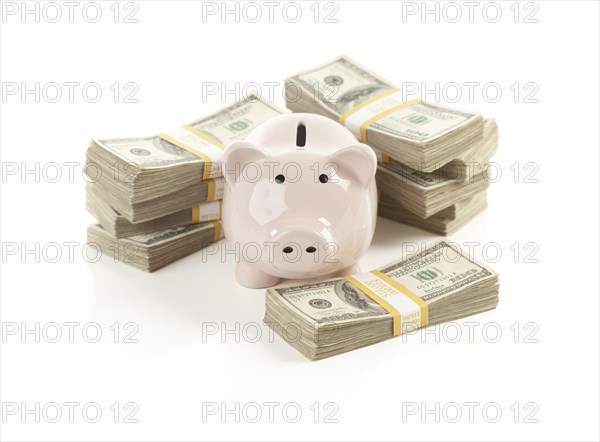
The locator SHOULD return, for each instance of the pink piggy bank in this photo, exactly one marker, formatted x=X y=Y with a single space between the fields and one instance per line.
x=300 y=200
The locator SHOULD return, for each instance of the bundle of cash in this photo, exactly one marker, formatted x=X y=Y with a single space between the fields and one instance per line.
x=159 y=198
x=148 y=178
x=157 y=208
x=119 y=227
x=150 y=252
x=463 y=168
x=323 y=319
x=426 y=194
x=441 y=201
x=445 y=222
x=420 y=135
x=426 y=199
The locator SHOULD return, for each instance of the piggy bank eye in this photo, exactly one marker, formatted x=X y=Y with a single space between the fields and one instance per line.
x=323 y=178
x=279 y=179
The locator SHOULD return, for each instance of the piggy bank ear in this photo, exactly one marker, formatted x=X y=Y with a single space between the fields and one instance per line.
x=356 y=162
x=238 y=155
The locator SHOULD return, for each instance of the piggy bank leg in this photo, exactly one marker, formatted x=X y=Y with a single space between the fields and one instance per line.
x=350 y=270
x=253 y=278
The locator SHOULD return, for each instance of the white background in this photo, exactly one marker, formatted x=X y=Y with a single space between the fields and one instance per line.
x=176 y=367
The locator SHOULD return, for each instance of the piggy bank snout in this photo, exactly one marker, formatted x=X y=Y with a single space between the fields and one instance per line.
x=299 y=249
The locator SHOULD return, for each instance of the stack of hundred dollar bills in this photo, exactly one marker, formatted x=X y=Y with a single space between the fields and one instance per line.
x=432 y=158
x=326 y=318
x=158 y=199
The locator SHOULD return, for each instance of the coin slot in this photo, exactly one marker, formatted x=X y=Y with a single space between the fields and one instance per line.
x=301 y=135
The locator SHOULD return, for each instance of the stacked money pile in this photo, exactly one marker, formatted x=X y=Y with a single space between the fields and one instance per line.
x=431 y=172
x=439 y=284
x=158 y=199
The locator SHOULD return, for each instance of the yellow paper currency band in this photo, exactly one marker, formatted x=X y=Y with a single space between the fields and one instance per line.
x=217 y=226
x=204 y=136
x=220 y=208
x=379 y=116
x=396 y=324
x=196 y=214
x=365 y=103
x=384 y=158
x=422 y=304
x=212 y=190
x=202 y=156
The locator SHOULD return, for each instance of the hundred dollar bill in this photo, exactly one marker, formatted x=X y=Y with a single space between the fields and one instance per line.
x=326 y=318
x=426 y=194
x=231 y=123
x=174 y=165
x=119 y=227
x=463 y=168
x=421 y=135
x=444 y=222
x=152 y=251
